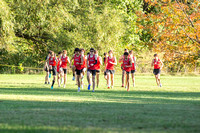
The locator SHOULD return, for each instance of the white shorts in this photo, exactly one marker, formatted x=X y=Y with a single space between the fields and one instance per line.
x=84 y=70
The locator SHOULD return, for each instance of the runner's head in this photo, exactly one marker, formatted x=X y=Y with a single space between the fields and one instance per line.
x=92 y=51
x=59 y=54
x=110 y=52
x=77 y=51
x=65 y=52
x=156 y=56
x=82 y=51
x=52 y=54
x=49 y=53
x=131 y=52
x=105 y=54
x=96 y=52
x=125 y=50
x=125 y=55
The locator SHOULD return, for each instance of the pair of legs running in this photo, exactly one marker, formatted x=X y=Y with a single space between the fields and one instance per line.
x=89 y=73
x=79 y=78
x=53 y=69
x=47 y=77
x=124 y=76
x=158 y=80
x=157 y=72
x=110 y=78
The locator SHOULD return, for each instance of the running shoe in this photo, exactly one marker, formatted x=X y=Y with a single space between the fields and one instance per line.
x=88 y=87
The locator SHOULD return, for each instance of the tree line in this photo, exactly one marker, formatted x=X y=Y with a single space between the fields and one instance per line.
x=29 y=28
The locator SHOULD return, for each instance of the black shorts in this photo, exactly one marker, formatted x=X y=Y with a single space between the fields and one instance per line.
x=92 y=71
x=105 y=73
x=65 y=70
x=128 y=72
x=78 y=72
x=156 y=71
x=132 y=71
x=54 y=70
x=110 y=71
x=97 y=71
x=46 y=69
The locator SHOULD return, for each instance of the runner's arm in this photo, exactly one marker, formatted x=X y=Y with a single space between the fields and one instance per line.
x=134 y=62
x=115 y=61
x=71 y=61
x=152 y=64
x=161 y=64
x=81 y=60
x=68 y=60
x=100 y=59
x=95 y=59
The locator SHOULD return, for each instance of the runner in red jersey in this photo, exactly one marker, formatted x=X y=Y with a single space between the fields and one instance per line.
x=133 y=69
x=91 y=62
x=127 y=65
x=78 y=62
x=158 y=64
x=65 y=60
x=46 y=68
x=104 y=61
x=73 y=68
x=111 y=61
x=52 y=66
x=123 y=72
x=99 y=62
x=84 y=66
x=59 y=69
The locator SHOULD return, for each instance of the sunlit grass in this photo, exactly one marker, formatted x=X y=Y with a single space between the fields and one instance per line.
x=27 y=105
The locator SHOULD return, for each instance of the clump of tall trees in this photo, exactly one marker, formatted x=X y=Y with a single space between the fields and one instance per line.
x=29 y=28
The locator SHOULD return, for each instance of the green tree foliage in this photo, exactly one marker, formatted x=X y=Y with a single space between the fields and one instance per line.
x=41 y=25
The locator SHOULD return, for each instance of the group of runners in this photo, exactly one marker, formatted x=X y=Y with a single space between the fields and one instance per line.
x=91 y=63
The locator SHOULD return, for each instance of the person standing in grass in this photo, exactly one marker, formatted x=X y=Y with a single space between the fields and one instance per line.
x=127 y=65
x=84 y=66
x=91 y=62
x=65 y=60
x=123 y=72
x=59 y=69
x=78 y=62
x=157 y=64
x=46 y=68
x=111 y=61
x=97 y=66
x=52 y=66
x=105 y=64
x=133 y=68
x=73 y=69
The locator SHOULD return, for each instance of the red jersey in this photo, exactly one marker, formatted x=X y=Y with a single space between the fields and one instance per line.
x=84 y=62
x=77 y=59
x=126 y=62
x=98 y=63
x=91 y=61
x=156 y=64
x=52 y=61
x=64 y=62
x=122 y=63
x=109 y=65
x=133 y=67
x=59 y=64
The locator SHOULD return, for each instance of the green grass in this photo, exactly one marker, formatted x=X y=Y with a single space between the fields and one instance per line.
x=27 y=105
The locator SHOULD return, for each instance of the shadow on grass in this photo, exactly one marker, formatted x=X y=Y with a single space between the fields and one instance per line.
x=109 y=93
x=104 y=116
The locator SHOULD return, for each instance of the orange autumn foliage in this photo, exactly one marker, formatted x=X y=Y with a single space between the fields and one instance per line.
x=175 y=30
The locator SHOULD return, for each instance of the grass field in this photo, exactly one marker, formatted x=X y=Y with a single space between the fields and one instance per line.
x=27 y=105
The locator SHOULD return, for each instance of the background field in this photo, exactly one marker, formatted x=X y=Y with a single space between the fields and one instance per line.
x=27 y=105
